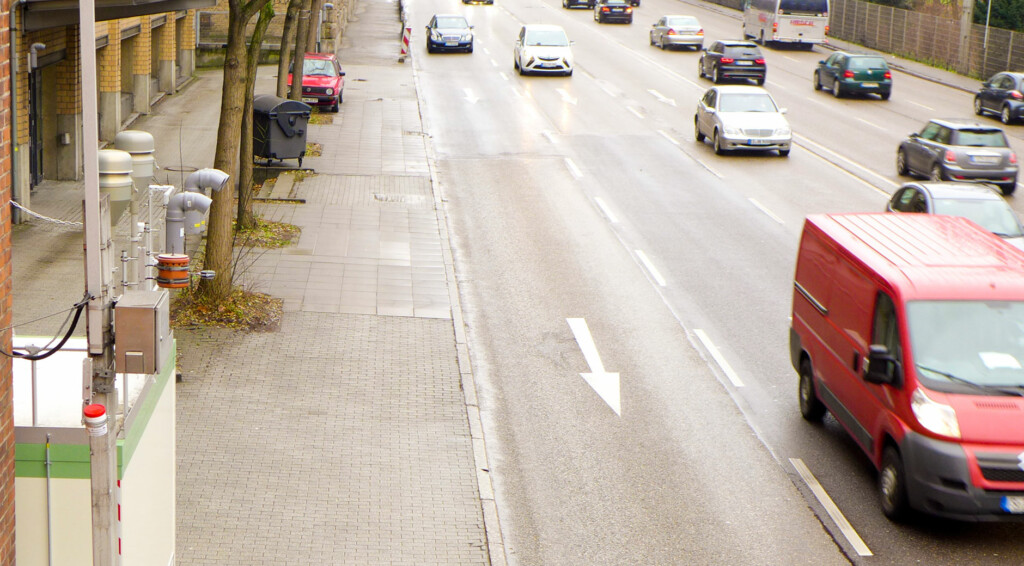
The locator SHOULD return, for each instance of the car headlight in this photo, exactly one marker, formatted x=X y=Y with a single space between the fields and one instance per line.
x=732 y=130
x=467 y=36
x=934 y=416
x=330 y=91
x=435 y=35
x=782 y=131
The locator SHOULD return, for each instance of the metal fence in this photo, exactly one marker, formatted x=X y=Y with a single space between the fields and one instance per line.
x=922 y=37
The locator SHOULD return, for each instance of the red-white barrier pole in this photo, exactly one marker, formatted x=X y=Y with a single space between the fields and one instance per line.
x=405 y=41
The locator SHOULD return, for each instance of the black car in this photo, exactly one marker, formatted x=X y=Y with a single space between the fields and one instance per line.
x=573 y=3
x=613 y=11
x=854 y=73
x=732 y=60
x=959 y=150
x=449 y=32
x=1002 y=95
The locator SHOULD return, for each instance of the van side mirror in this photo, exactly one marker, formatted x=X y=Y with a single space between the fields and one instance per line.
x=882 y=366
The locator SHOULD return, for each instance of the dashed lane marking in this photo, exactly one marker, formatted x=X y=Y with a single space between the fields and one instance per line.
x=718 y=357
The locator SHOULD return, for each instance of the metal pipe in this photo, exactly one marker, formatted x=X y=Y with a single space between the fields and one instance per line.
x=35 y=396
x=49 y=509
x=15 y=170
x=178 y=206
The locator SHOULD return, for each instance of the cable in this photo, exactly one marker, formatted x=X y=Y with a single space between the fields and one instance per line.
x=79 y=307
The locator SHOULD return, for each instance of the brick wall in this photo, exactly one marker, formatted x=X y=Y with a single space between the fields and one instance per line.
x=108 y=62
x=69 y=76
x=165 y=36
x=6 y=389
x=143 y=49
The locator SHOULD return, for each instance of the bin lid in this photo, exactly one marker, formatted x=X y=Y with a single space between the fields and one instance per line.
x=270 y=104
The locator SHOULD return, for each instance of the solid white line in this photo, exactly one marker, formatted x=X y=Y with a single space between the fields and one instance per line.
x=650 y=268
x=573 y=169
x=921 y=105
x=635 y=112
x=718 y=357
x=665 y=135
x=763 y=209
x=805 y=141
x=607 y=211
x=872 y=124
x=831 y=508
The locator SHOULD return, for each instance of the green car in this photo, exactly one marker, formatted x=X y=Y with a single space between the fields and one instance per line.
x=852 y=73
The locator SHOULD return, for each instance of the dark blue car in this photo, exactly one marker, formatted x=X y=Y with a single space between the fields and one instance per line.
x=1002 y=95
x=449 y=32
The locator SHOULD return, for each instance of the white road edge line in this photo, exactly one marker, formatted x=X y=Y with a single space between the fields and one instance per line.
x=573 y=169
x=765 y=210
x=635 y=112
x=665 y=135
x=650 y=268
x=823 y=149
x=607 y=211
x=718 y=357
x=831 y=508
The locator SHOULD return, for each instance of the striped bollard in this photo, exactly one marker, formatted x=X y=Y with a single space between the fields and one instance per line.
x=406 y=34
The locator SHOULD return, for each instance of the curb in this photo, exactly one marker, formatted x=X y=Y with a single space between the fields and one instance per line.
x=492 y=525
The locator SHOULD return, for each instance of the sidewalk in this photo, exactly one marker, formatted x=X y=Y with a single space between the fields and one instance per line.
x=350 y=435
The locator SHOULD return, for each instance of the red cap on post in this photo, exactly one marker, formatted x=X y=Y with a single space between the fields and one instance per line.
x=94 y=411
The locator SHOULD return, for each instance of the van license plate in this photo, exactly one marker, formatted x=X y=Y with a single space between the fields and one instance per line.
x=1013 y=504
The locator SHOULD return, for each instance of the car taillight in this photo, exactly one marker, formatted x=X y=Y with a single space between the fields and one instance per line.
x=759 y=60
x=1013 y=158
x=826 y=29
x=700 y=32
x=671 y=32
x=950 y=156
x=629 y=10
x=606 y=9
x=847 y=74
x=888 y=75
x=1016 y=95
x=727 y=60
x=775 y=28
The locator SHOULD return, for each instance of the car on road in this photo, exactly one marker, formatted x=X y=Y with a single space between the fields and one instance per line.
x=959 y=150
x=449 y=32
x=980 y=203
x=732 y=59
x=478 y=2
x=323 y=81
x=1003 y=95
x=620 y=11
x=677 y=31
x=854 y=73
x=742 y=117
x=543 y=49
x=589 y=4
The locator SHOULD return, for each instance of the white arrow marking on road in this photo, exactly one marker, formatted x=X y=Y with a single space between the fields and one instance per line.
x=661 y=97
x=469 y=96
x=604 y=383
x=565 y=96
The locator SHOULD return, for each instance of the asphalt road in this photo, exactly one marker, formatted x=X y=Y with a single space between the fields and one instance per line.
x=588 y=198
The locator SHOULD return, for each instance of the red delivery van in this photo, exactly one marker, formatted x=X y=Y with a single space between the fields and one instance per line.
x=909 y=329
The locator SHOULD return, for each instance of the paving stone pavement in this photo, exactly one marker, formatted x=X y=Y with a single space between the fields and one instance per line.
x=350 y=434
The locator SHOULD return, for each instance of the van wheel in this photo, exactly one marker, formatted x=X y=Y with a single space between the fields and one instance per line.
x=811 y=408
x=901 y=163
x=892 y=486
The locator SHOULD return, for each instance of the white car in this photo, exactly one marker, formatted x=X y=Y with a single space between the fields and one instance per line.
x=742 y=117
x=542 y=49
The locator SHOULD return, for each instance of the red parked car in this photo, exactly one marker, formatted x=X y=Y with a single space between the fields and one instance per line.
x=323 y=81
x=908 y=329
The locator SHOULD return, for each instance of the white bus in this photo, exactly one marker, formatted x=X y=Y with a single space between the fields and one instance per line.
x=786 y=21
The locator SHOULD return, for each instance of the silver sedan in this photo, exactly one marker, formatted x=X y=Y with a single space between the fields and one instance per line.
x=742 y=117
x=672 y=31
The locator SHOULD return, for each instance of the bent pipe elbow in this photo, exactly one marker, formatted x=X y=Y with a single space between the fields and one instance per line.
x=206 y=179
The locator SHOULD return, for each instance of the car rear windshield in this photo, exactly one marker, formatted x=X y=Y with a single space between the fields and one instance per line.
x=742 y=51
x=980 y=138
x=862 y=63
x=747 y=102
x=555 y=38
x=803 y=6
x=679 y=22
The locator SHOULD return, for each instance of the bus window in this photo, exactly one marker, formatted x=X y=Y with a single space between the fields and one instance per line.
x=807 y=7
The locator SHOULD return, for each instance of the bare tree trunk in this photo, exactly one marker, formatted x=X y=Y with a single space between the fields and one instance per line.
x=314 y=26
x=245 y=218
x=287 y=47
x=301 y=39
x=220 y=237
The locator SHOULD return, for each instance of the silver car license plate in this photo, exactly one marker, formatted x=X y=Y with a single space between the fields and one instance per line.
x=984 y=159
x=869 y=85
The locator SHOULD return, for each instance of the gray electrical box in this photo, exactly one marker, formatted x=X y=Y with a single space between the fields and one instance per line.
x=142 y=332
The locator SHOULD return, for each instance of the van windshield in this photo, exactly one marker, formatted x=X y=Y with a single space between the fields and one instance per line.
x=981 y=342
